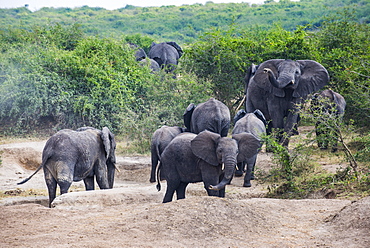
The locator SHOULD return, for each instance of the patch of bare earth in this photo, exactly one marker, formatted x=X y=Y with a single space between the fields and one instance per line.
x=132 y=215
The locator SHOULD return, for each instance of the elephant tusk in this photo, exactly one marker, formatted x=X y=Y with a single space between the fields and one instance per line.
x=266 y=70
x=117 y=168
x=212 y=187
x=243 y=100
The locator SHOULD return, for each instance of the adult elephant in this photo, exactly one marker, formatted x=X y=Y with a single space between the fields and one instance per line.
x=166 y=54
x=71 y=156
x=160 y=139
x=211 y=115
x=328 y=107
x=278 y=87
x=191 y=158
x=255 y=124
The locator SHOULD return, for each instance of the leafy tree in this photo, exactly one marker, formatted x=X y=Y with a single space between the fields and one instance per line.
x=344 y=50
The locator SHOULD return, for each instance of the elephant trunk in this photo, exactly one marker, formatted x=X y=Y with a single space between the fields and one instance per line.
x=282 y=81
x=228 y=173
x=271 y=77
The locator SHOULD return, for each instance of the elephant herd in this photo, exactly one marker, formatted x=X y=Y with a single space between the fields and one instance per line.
x=201 y=151
x=164 y=56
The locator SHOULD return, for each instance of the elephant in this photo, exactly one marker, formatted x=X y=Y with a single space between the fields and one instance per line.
x=160 y=139
x=71 y=156
x=278 y=86
x=211 y=115
x=327 y=105
x=191 y=158
x=143 y=59
x=153 y=65
x=166 y=54
x=253 y=123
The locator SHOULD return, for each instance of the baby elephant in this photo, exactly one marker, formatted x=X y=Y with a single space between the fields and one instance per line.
x=329 y=106
x=191 y=158
x=71 y=156
x=160 y=139
x=255 y=124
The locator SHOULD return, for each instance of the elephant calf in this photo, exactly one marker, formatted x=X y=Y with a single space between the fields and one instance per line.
x=71 y=156
x=255 y=124
x=191 y=158
x=160 y=139
x=328 y=107
x=211 y=115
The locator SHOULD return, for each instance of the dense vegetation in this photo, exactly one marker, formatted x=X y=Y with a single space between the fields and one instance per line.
x=184 y=24
x=79 y=70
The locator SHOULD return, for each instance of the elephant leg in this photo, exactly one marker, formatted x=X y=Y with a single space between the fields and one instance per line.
x=180 y=191
x=248 y=173
x=64 y=185
x=154 y=160
x=51 y=184
x=321 y=137
x=171 y=188
x=291 y=126
x=239 y=169
x=89 y=183
x=211 y=176
x=252 y=173
x=101 y=175
x=221 y=192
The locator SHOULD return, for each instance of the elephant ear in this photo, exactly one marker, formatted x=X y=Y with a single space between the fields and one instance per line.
x=152 y=45
x=204 y=146
x=340 y=102
x=187 y=115
x=250 y=73
x=248 y=145
x=176 y=46
x=262 y=80
x=106 y=138
x=240 y=114
x=314 y=76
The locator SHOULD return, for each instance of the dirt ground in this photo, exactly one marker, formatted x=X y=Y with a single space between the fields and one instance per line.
x=132 y=215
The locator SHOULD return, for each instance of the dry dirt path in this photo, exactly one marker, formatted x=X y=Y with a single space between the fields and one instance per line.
x=132 y=215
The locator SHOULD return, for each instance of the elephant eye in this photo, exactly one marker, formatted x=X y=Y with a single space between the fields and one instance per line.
x=297 y=72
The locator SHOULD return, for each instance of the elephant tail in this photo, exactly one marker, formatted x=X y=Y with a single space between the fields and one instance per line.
x=158 y=179
x=28 y=178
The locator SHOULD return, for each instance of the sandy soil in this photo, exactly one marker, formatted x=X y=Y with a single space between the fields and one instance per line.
x=132 y=215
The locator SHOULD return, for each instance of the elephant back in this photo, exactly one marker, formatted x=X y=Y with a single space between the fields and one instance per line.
x=250 y=123
x=213 y=116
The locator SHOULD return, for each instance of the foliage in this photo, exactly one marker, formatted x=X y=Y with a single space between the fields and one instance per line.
x=89 y=85
x=185 y=23
x=344 y=50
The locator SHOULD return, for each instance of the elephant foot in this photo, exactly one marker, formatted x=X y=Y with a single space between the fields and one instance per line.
x=247 y=185
x=238 y=173
x=152 y=181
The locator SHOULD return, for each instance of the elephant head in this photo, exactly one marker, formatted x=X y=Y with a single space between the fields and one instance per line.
x=302 y=77
x=217 y=150
x=330 y=98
